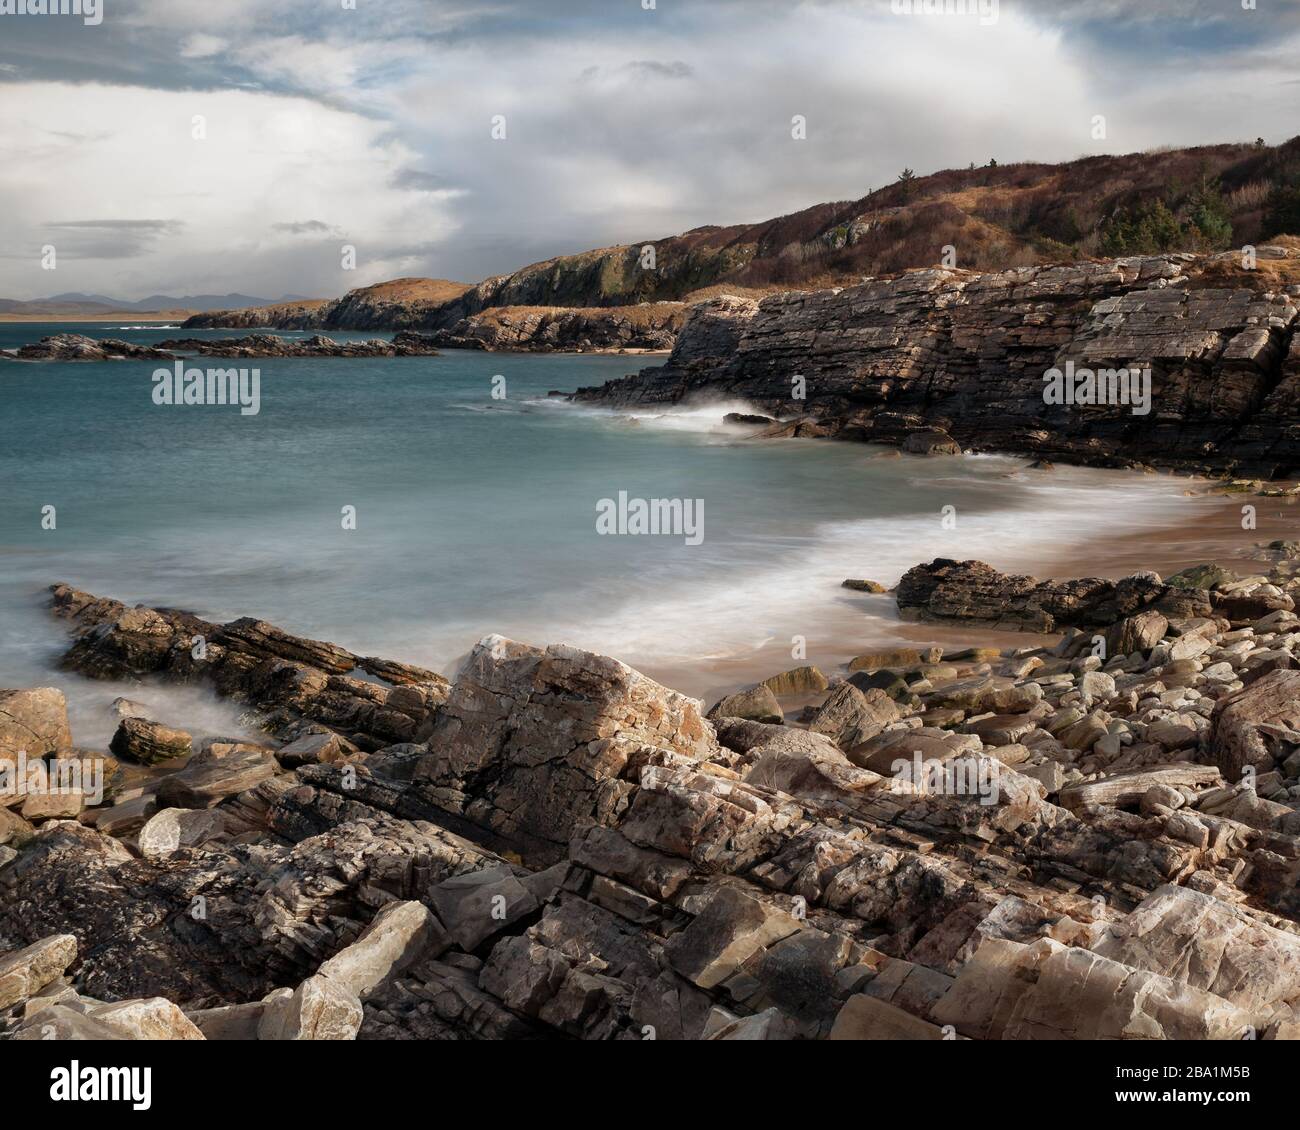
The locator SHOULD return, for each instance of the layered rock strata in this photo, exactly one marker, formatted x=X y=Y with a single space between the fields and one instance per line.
x=1057 y=842
x=965 y=355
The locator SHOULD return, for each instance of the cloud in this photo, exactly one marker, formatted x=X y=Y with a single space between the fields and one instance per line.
x=138 y=205
x=108 y=239
x=200 y=46
x=305 y=227
x=624 y=124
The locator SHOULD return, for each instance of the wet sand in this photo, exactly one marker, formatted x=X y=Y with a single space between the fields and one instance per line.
x=1211 y=531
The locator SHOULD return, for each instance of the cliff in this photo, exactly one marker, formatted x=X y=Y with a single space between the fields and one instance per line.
x=967 y=354
x=649 y=326
x=995 y=217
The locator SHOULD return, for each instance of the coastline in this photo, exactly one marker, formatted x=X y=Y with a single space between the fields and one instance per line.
x=1209 y=533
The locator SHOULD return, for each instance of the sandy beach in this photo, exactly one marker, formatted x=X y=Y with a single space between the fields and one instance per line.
x=1211 y=531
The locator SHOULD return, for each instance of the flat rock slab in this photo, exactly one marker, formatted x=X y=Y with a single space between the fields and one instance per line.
x=1129 y=788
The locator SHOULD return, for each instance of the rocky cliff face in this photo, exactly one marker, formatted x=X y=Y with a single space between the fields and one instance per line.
x=968 y=354
x=483 y=317
x=651 y=326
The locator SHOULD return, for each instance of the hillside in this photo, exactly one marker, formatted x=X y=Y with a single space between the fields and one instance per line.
x=1204 y=199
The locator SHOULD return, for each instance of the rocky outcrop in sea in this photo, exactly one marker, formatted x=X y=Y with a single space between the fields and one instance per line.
x=649 y=327
x=77 y=347
x=943 y=358
x=1091 y=838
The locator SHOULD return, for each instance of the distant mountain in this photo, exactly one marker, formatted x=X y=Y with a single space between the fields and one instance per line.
x=74 y=305
x=196 y=302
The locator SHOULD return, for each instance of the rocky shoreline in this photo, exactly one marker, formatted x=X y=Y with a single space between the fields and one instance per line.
x=1096 y=839
x=77 y=347
x=941 y=359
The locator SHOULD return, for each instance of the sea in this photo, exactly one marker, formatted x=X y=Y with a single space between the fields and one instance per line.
x=407 y=507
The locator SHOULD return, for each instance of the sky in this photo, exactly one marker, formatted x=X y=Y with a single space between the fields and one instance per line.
x=191 y=146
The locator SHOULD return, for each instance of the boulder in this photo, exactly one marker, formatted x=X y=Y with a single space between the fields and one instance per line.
x=175 y=828
x=1242 y=723
x=866 y=1018
x=863 y=585
x=531 y=743
x=26 y=972
x=850 y=717
x=800 y=680
x=209 y=783
x=151 y=1019
x=396 y=937
x=931 y=441
x=149 y=743
x=758 y=704
x=318 y=1009
x=33 y=721
x=1212 y=945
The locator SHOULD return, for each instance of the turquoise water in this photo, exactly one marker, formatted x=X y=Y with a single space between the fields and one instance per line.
x=477 y=515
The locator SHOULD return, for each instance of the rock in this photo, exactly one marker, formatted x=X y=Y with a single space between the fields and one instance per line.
x=809 y=766
x=770 y=1024
x=395 y=938
x=208 y=784
x=1200 y=577
x=1125 y=789
x=151 y=1019
x=128 y=708
x=876 y=355
x=268 y=345
x=531 y=742
x=800 y=680
x=34 y=722
x=1135 y=634
x=1211 y=945
x=896 y=657
x=987 y=693
x=229 y=1022
x=78 y=347
x=1049 y=991
x=726 y=933
x=850 y=717
x=758 y=704
x=60 y=1022
x=14 y=829
x=126 y=817
x=318 y=1009
x=974 y=592
x=477 y=906
x=26 y=972
x=315 y=749
x=865 y=1018
x=149 y=743
x=53 y=806
x=864 y=586
x=1241 y=723
x=571 y=851
x=931 y=442
x=176 y=828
